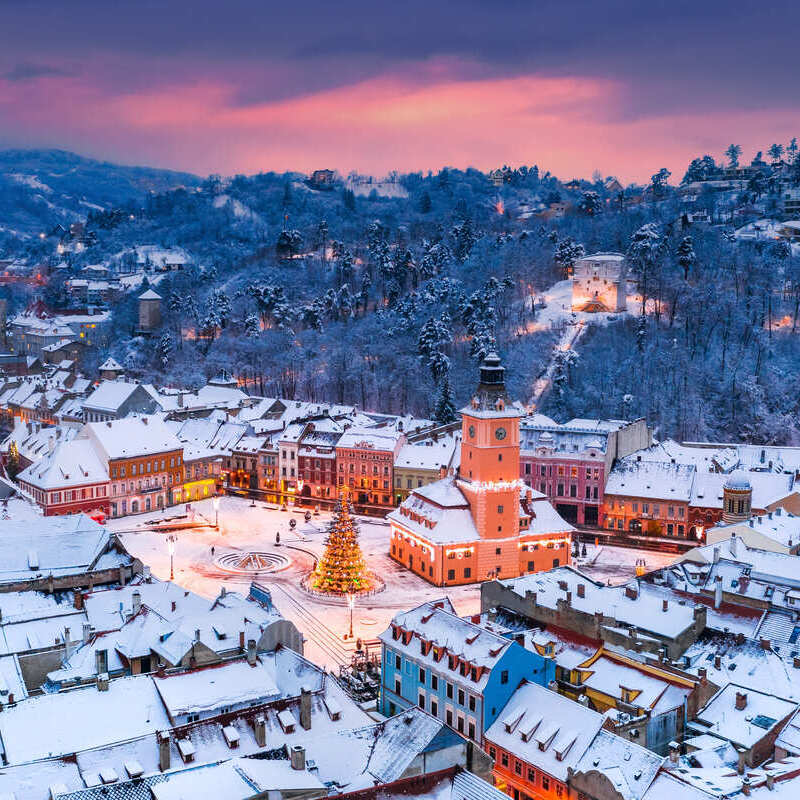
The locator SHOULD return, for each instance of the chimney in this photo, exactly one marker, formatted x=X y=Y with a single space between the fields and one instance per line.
x=581 y=590
x=741 y=701
x=298 y=757
x=770 y=781
x=702 y=673
x=741 y=756
x=740 y=638
x=137 y=602
x=674 y=752
x=163 y=750
x=665 y=605
x=746 y=786
x=717 y=661
x=796 y=662
x=569 y=598
x=305 y=708
x=87 y=632
x=102 y=682
x=631 y=593
x=197 y=634
x=733 y=545
x=241 y=641
x=251 y=652
x=174 y=605
x=562 y=585
x=260 y=730
x=766 y=645
x=77 y=599
x=717 y=591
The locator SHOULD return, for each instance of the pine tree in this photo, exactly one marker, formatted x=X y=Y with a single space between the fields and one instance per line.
x=342 y=569
x=445 y=406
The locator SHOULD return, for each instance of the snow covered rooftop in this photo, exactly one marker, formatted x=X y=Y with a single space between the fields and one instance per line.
x=131 y=437
x=433 y=622
x=781 y=526
x=110 y=395
x=64 y=545
x=630 y=768
x=655 y=480
x=380 y=439
x=211 y=689
x=631 y=606
x=546 y=730
x=59 y=724
x=745 y=723
x=71 y=463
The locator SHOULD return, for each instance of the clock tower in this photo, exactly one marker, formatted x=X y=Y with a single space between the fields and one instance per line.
x=489 y=470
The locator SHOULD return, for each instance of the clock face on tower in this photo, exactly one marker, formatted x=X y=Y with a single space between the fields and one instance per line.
x=471 y=431
x=500 y=433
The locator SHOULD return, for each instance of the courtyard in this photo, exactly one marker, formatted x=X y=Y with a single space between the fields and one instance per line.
x=245 y=547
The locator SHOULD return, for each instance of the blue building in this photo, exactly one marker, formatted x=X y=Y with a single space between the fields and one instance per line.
x=456 y=670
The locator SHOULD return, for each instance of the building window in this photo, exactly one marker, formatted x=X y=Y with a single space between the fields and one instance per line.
x=434 y=682
x=546 y=783
x=451 y=574
x=421 y=700
x=422 y=676
x=397 y=662
x=504 y=759
x=471 y=730
x=461 y=697
x=467 y=572
x=449 y=690
x=434 y=708
x=472 y=702
x=518 y=767
x=499 y=509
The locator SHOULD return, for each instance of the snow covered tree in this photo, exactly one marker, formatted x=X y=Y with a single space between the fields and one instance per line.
x=686 y=255
x=590 y=204
x=732 y=153
x=644 y=253
x=566 y=253
x=658 y=182
x=341 y=569
x=445 y=410
x=252 y=327
x=775 y=152
x=165 y=349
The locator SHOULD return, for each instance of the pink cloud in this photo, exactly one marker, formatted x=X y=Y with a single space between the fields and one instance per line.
x=398 y=121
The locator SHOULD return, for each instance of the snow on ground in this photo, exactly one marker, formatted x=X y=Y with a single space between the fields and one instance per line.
x=558 y=310
x=239 y=209
x=29 y=180
x=323 y=621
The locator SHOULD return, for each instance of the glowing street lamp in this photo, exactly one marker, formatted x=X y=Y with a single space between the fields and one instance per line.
x=216 y=512
x=171 y=539
x=351 y=603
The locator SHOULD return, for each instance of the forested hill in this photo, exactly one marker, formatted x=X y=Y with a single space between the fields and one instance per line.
x=387 y=294
x=42 y=188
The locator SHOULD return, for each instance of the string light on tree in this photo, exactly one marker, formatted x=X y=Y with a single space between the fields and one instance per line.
x=342 y=569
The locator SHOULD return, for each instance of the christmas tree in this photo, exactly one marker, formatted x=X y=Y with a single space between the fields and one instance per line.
x=341 y=570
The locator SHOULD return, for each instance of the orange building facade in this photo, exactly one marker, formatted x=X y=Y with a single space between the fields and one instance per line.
x=483 y=522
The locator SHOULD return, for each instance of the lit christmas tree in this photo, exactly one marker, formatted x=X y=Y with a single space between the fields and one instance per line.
x=341 y=570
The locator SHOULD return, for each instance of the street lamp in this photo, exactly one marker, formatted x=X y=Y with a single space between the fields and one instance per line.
x=171 y=539
x=351 y=602
x=216 y=512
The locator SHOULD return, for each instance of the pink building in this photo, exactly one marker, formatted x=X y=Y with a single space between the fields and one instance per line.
x=569 y=463
x=365 y=462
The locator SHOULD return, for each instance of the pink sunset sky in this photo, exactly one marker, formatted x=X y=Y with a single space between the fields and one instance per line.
x=203 y=104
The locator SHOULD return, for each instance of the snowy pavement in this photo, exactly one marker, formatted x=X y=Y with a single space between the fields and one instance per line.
x=324 y=622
